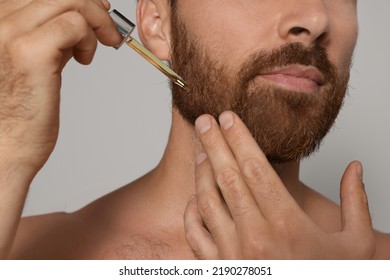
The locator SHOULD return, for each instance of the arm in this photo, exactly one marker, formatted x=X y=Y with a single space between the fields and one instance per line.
x=243 y=211
x=37 y=39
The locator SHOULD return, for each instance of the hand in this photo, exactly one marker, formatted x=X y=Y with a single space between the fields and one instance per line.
x=37 y=39
x=242 y=210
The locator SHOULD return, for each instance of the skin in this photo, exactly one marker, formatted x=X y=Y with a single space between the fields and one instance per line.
x=249 y=218
x=36 y=42
x=272 y=205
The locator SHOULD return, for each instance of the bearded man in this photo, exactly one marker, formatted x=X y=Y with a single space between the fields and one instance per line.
x=266 y=81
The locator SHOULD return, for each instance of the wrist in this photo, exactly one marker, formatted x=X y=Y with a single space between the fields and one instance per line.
x=16 y=168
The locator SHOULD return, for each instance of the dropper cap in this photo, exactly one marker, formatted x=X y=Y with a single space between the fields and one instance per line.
x=124 y=26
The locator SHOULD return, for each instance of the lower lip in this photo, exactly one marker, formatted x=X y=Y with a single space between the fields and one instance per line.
x=292 y=83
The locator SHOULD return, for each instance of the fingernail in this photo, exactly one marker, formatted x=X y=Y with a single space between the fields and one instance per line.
x=226 y=120
x=359 y=171
x=200 y=158
x=106 y=4
x=203 y=124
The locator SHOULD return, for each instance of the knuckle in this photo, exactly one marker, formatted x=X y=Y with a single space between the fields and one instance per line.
x=256 y=174
x=75 y=20
x=206 y=204
x=228 y=177
x=229 y=181
x=252 y=168
x=210 y=144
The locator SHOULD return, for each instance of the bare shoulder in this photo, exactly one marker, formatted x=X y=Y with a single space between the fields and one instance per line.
x=84 y=234
x=323 y=211
x=51 y=236
x=104 y=229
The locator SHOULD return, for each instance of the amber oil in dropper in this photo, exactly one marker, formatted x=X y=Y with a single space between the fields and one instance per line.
x=139 y=48
x=125 y=27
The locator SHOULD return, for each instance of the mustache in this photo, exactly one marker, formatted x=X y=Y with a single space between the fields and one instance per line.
x=289 y=54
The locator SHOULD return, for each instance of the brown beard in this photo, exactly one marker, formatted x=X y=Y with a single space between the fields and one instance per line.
x=287 y=125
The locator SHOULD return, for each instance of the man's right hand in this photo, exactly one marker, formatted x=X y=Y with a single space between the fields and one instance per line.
x=37 y=39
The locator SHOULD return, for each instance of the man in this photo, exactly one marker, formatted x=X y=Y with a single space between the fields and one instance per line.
x=286 y=81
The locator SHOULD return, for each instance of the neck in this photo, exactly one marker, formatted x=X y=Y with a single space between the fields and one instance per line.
x=174 y=176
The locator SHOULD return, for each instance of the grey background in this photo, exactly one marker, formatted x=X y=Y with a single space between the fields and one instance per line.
x=115 y=119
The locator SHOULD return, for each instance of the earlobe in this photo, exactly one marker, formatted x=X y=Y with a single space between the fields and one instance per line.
x=153 y=18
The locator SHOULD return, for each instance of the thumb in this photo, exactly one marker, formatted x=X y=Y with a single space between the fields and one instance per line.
x=355 y=214
x=354 y=202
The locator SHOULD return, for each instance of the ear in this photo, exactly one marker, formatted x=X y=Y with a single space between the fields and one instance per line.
x=154 y=26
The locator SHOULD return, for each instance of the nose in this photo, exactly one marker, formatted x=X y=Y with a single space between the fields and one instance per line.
x=304 y=21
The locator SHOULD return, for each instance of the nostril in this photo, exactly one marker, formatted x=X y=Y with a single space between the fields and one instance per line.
x=298 y=30
x=322 y=38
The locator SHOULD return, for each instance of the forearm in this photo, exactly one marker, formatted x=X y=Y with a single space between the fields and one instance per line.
x=14 y=184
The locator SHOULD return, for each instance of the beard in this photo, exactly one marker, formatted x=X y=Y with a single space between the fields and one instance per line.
x=287 y=125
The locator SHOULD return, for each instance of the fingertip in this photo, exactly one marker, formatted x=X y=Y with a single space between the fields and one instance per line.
x=353 y=175
x=203 y=124
x=226 y=120
x=106 y=4
x=83 y=57
x=355 y=169
x=109 y=37
x=359 y=169
x=354 y=200
x=108 y=34
x=85 y=51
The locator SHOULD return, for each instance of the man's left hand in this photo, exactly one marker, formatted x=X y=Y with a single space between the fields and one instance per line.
x=242 y=209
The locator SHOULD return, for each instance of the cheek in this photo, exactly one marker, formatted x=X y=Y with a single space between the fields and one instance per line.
x=343 y=35
x=342 y=45
x=230 y=35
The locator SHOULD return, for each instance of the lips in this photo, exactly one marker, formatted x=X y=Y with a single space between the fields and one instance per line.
x=298 y=78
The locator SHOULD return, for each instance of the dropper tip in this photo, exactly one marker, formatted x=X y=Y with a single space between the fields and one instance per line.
x=181 y=83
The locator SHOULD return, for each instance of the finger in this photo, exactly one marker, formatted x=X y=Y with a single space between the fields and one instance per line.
x=79 y=37
x=8 y=7
x=354 y=202
x=85 y=49
x=237 y=196
x=211 y=207
x=106 y=4
x=265 y=184
x=49 y=56
x=356 y=219
x=39 y=12
x=198 y=238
